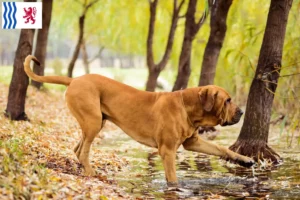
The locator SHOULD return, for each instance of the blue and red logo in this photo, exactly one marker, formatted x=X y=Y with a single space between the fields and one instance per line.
x=21 y=15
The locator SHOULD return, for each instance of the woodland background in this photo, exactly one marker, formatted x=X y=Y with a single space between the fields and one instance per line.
x=115 y=42
x=118 y=30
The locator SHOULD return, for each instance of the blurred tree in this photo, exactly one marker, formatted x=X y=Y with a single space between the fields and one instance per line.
x=15 y=109
x=253 y=137
x=191 y=29
x=219 y=11
x=42 y=39
x=86 y=6
x=155 y=69
x=85 y=57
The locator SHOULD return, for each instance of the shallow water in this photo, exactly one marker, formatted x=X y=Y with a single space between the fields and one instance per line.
x=201 y=176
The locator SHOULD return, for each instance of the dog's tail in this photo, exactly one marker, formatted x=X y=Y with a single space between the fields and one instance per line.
x=63 y=80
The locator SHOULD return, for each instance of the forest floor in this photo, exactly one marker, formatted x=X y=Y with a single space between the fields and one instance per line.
x=37 y=158
x=37 y=161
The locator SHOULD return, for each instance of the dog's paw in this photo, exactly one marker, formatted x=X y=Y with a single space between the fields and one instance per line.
x=242 y=161
x=245 y=161
x=172 y=184
x=247 y=164
x=90 y=172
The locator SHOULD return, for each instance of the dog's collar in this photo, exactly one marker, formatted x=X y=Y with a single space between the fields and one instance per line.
x=188 y=117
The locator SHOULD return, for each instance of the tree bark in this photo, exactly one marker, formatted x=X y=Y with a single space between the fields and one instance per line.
x=77 y=48
x=253 y=137
x=155 y=69
x=213 y=47
x=184 y=69
x=85 y=57
x=42 y=39
x=183 y=74
x=152 y=79
x=15 y=109
x=191 y=29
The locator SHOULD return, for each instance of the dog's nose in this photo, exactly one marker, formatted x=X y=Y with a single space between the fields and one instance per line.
x=241 y=112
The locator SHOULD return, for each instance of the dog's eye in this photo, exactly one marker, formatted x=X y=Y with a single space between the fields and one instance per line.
x=228 y=100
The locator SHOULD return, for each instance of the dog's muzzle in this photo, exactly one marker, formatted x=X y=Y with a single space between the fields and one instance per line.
x=237 y=116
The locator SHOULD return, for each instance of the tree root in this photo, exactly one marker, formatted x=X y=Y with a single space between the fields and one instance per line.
x=258 y=150
x=20 y=117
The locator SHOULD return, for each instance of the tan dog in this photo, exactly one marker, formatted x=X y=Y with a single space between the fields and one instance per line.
x=163 y=120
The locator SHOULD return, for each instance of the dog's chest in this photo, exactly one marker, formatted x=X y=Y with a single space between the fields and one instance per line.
x=141 y=137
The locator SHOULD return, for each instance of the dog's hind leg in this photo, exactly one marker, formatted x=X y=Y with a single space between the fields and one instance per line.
x=77 y=148
x=89 y=133
x=86 y=109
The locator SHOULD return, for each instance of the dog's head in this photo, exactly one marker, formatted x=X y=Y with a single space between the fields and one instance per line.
x=218 y=107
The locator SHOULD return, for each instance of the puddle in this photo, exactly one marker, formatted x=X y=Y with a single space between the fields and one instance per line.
x=200 y=176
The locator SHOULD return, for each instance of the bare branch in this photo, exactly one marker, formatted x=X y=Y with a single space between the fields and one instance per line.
x=78 y=1
x=201 y=21
x=275 y=70
x=176 y=9
x=270 y=91
x=180 y=5
x=204 y=16
x=161 y=65
x=86 y=7
x=295 y=97
x=289 y=75
x=248 y=60
x=291 y=65
x=282 y=97
x=97 y=55
x=91 y=4
x=278 y=119
x=267 y=81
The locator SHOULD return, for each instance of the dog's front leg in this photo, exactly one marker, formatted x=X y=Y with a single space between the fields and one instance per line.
x=168 y=157
x=196 y=143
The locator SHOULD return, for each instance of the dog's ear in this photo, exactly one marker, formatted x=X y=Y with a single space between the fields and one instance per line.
x=207 y=98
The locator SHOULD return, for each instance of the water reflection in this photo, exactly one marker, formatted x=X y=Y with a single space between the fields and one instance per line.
x=201 y=176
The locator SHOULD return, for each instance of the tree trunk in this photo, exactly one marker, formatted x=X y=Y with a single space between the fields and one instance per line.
x=85 y=57
x=77 y=48
x=15 y=109
x=191 y=29
x=152 y=79
x=218 y=28
x=80 y=37
x=253 y=137
x=184 y=69
x=155 y=69
x=42 y=39
x=183 y=79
